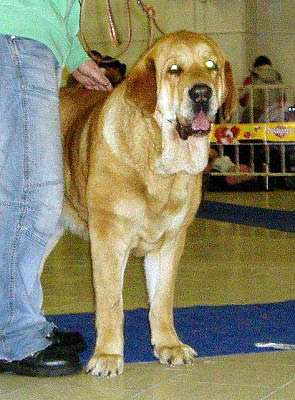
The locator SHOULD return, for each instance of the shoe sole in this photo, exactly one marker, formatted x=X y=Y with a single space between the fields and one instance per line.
x=42 y=372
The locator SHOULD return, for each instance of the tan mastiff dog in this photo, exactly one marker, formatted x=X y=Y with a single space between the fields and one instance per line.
x=133 y=170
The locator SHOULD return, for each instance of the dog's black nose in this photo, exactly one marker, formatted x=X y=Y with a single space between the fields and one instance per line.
x=200 y=94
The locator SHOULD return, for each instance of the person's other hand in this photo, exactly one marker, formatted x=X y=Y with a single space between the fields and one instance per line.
x=92 y=77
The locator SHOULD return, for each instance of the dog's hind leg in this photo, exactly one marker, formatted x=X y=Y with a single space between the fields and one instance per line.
x=161 y=269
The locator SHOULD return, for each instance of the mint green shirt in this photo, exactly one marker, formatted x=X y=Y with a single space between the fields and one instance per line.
x=54 y=23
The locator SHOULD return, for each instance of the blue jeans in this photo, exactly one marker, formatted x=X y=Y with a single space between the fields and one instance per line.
x=31 y=189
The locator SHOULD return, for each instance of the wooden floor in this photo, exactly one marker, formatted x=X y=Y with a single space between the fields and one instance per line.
x=222 y=264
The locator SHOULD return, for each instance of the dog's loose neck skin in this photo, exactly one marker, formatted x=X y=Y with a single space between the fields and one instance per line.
x=170 y=154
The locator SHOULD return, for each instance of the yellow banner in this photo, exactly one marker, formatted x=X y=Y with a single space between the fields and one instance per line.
x=266 y=132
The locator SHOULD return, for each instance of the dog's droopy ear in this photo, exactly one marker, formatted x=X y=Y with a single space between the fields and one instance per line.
x=230 y=102
x=141 y=86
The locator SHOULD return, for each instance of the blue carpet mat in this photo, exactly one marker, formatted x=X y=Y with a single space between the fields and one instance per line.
x=253 y=216
x=211 y=330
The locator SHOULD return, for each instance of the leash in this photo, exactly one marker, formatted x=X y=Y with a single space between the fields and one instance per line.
x=151 y=20
x=149 y=12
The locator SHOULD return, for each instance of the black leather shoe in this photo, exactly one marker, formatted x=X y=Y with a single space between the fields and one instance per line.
x=50 y=362
x=73 y=341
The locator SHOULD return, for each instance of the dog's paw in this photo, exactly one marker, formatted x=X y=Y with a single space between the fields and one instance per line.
x=176 y=355
x=105 y=365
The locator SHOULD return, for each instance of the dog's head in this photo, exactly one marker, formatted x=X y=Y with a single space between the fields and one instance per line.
x=183 y=80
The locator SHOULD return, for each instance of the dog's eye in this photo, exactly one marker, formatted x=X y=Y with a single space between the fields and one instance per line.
x=211 y=65
x=175 y=69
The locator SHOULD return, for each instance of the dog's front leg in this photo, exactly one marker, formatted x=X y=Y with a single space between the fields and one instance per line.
x=161 y=269
x=109 y=258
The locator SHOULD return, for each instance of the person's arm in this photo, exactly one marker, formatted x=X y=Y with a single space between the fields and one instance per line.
x=77 y=54
x=85 y=70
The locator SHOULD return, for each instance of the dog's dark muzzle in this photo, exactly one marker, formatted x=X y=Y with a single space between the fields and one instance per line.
x=200 y=95
x=200 y=125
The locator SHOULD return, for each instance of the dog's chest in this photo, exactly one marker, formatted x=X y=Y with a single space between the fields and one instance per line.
x=166 y=210
x=162 y=207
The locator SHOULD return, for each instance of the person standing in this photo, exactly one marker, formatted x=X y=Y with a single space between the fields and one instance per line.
x=262 y=73
x=37 y=38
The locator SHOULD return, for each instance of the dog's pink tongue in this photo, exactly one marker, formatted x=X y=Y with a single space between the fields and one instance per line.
x=201 y=122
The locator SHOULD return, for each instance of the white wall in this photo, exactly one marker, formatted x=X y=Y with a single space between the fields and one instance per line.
x=243 y=28
x=276 y=34
x=225 y=21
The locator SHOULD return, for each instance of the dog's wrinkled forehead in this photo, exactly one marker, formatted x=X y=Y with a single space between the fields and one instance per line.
x=180 y=56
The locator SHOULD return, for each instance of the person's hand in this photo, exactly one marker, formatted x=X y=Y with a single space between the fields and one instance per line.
x=92 y=77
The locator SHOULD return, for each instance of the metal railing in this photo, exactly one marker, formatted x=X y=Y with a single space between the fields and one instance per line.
x=260 y=137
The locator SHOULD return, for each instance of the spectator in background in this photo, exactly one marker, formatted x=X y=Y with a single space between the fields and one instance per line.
x=262 y=73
